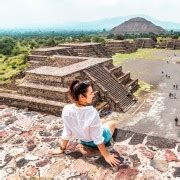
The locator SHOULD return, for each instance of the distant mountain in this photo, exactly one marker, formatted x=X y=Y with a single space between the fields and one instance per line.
x=136 y=26
x=109 y=23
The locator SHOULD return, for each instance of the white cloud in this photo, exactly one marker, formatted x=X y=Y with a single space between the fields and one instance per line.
x=29 y=12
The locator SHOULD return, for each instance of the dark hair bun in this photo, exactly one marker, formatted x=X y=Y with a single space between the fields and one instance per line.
x=73 y=84
x=77 y=88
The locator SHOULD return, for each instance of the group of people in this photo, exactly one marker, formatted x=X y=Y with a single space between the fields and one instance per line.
x=167 y=76
x=175 y=86
x=173 y=95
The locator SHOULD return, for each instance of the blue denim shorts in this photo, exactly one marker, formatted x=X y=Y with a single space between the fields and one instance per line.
x=106 y=134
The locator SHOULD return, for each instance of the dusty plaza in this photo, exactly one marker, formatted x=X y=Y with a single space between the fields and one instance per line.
x=147 y=140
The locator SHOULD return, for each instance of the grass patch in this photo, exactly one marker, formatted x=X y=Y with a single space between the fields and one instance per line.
x=11 y=66
x=143 y=88
x=146 y=54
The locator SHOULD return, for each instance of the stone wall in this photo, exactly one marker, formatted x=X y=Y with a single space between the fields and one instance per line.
x=170 y=44
x=117 y=46
x=145 y=43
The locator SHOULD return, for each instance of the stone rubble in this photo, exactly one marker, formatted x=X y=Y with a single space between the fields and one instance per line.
x=26 y=137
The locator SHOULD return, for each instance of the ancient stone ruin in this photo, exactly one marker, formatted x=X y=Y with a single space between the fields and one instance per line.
x=87 y=49
x=170 y=44
x=145 y=43
x=120 y=46
x=45 y=88
x=82 y=50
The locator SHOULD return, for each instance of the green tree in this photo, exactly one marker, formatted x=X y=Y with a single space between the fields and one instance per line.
x=7 y=45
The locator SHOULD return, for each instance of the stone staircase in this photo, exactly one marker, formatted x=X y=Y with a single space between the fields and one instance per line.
x=116 y=92
x=42 y=54
x=32 y=103
x=123 y=78
x=101 y=51
x=87 y=49
x=37 y=95
x=45 y=88
x=63 y=51
x=118 y=46
x=44 y=91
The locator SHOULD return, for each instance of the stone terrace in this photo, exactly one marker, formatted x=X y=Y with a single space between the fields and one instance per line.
x=145 y=43
x=45 y=88
x=87 y=49
x=82 y=50
x=42 y=54
x=52 y=51
x=170 y=44
x=118 y=46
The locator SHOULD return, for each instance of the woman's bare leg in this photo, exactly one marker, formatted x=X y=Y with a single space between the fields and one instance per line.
x=112 y=126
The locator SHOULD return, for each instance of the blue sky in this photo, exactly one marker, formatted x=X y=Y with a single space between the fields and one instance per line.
x=26 y=13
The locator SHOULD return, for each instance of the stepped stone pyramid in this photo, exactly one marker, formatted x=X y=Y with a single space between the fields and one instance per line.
x=145 y=43
x=45 y=87
x=82 y=50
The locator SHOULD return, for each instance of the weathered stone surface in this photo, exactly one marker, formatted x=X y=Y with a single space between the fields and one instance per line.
x=147 y=153
x=137 y=139
x=31 y=145
x=7 y=114
x=4 y=159
x=159 y=164
x=178 y=148
x=31 y=171
x=121 y=135
x=150 y=175
x=48 y=139
x=21 y=162
x=59 y=133
x=136 y=161
x=103 y=174
x=82 y=166
x=176 y=172
x=55 y=168
x=75 y=154
x=3 y=134
x=121 y=149
x=42 y=163
x=44 y=133
x=170 y=156
x=73 y=164
x=127 y=173
x=11 y=120
x=3 y=106
x=160 y=142
x=14 y=177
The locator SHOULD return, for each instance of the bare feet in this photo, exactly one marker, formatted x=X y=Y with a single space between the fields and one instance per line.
x=55 y=152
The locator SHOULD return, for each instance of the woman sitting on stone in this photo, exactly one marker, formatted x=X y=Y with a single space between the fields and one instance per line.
x=82 y=120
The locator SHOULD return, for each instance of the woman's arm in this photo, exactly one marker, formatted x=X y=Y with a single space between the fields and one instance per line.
x=110 y=158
